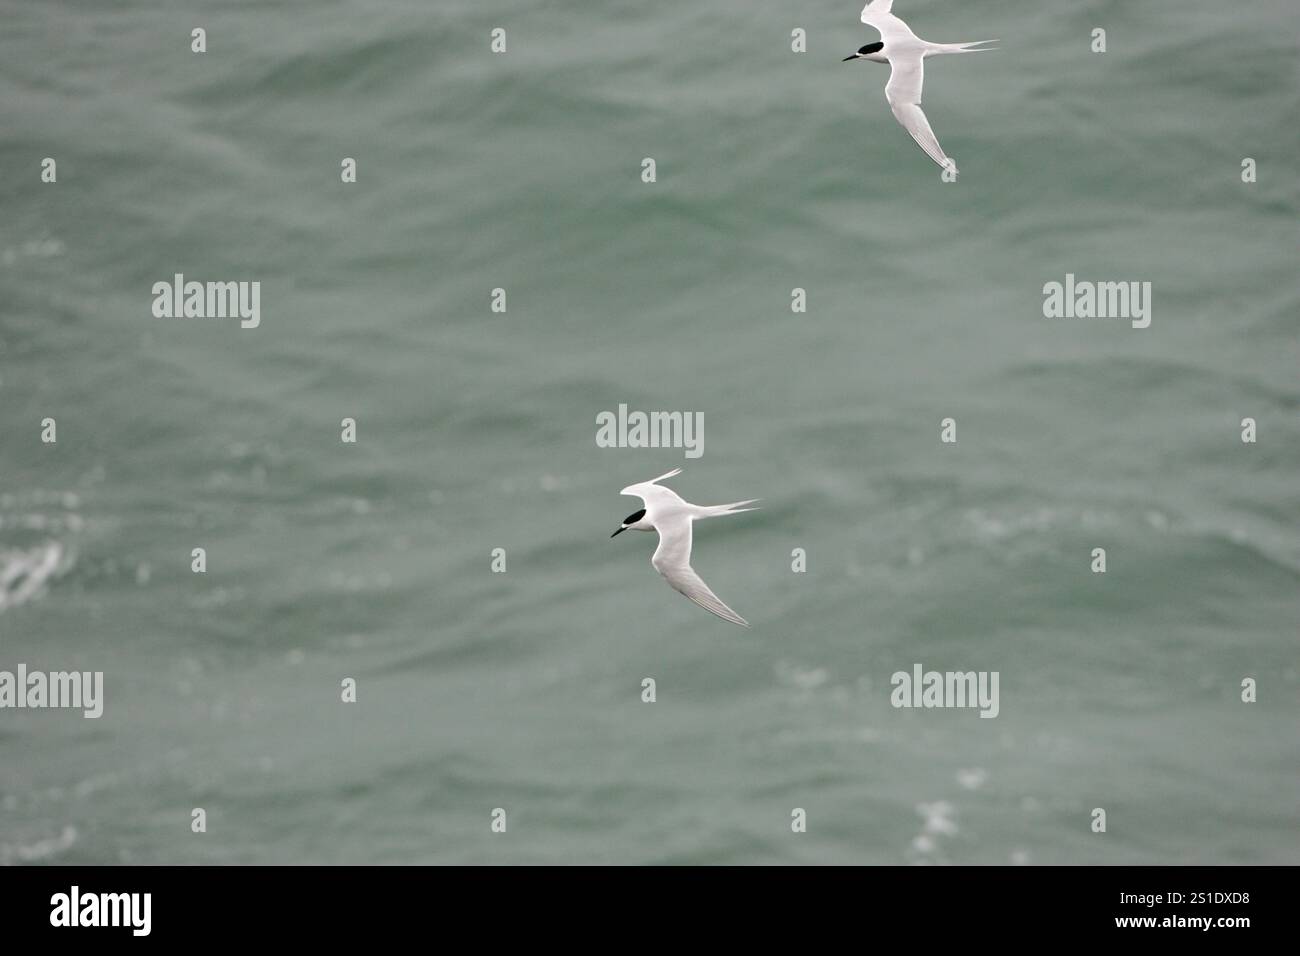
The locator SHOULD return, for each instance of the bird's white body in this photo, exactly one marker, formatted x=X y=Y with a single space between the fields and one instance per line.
x=668 y=514
x=906 y=53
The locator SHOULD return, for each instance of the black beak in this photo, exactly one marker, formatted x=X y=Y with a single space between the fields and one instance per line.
x=847 y=58
x=618 y=532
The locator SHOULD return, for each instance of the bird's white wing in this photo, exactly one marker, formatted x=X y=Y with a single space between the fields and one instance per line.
x=654 y=496
x=876 y=14
x=672 y=559
x=903 y=91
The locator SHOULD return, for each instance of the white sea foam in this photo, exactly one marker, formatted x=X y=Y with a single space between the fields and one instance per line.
x=39 y=850
x=25 y=572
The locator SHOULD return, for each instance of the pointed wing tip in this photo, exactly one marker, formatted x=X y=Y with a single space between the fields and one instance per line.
x=709 y=601
x=876 y=6
x=731 y=616
x=733 y=619
x=633 y=489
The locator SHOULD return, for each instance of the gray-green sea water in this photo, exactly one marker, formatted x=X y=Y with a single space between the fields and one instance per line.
x=476 y=429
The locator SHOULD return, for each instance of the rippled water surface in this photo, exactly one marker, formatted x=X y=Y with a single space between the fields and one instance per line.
x=522 y=690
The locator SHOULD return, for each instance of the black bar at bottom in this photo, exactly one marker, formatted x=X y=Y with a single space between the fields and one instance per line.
x=333 y=905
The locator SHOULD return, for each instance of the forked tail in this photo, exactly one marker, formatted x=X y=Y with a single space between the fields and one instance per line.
x=715 y=511
x=978 y=46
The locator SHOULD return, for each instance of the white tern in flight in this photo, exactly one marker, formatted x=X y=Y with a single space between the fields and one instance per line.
x=905 y=52
x=672 y=517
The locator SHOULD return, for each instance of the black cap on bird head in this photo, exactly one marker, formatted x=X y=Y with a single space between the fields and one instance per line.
x=863 y=51
x=629 y=520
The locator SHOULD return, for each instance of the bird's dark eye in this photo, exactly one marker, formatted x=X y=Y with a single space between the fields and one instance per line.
x=871 y=48
x=633 y=519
